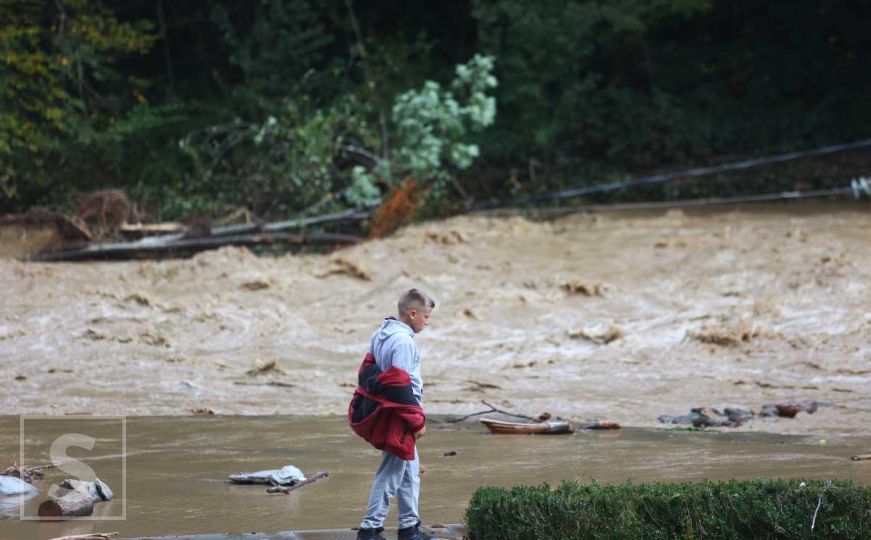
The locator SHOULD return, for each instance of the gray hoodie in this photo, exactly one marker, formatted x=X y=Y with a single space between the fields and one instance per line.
x=393 y=345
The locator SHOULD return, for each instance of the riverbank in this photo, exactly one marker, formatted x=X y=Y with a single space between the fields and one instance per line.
x=610 y=316
x=177 y=468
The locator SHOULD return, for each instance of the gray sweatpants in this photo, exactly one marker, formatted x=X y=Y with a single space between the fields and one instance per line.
x=395 y=476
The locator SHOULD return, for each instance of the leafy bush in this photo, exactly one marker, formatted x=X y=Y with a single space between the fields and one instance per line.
x=734 y=510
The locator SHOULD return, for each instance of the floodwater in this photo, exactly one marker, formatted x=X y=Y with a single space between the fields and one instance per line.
x=608 y=316
x=176 y=468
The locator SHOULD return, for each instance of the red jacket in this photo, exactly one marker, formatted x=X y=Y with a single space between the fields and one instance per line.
x=384 y=410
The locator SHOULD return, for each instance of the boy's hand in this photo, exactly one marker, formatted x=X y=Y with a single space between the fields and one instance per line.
x=419 y=434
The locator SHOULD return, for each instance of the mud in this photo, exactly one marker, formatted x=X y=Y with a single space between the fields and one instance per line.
x=177 y=468
x=611 y=316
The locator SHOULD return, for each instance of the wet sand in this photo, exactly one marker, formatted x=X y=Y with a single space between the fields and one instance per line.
x=177 y=468
x=742 y=305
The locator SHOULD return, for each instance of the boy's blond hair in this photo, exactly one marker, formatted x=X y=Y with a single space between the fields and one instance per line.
x=414 y=299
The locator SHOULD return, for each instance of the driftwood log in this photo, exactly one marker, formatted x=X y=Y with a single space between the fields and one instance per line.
x=861 y=457
x=73 y=504
x=307 y=481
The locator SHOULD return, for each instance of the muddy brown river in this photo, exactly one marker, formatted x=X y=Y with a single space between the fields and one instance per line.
x=610 y=316
x=177 y=468
x=743 y=306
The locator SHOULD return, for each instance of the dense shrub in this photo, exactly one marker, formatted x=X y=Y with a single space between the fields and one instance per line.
x=735 y=510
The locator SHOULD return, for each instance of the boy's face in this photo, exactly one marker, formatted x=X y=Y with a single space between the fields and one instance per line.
x=418 y=319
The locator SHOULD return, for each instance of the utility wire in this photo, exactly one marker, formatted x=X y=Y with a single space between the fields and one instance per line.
x=666 y=177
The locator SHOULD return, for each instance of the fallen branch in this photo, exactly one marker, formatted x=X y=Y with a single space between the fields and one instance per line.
x=307 y=481
x=492 y=409
x=861 y=457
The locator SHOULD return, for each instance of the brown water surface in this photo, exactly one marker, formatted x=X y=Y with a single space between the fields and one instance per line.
x=704 y=307
x=177 y=468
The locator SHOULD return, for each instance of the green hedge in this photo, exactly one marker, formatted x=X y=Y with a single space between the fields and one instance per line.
x=747 y=509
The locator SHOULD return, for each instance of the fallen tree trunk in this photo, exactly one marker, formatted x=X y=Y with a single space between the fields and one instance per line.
x=151 y=246
x=307 y=481
x=73 y=504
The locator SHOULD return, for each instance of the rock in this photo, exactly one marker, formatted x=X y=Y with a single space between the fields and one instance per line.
x=9 y=485
x=98 y=491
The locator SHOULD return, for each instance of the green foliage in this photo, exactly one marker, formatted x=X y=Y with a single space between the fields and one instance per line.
x=432 y=124
x=590 y=88
x=282 y=104
x=722 y=510
x=280 y=48
x=301 y=155
x=58 y=85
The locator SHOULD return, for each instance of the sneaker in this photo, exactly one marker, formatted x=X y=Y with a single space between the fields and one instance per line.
x=370 y=534
x=414 y=533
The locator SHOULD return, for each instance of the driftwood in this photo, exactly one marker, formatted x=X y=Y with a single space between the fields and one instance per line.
x=307 y=481
x=93 y=536
x=492 y=409
x=143 y=229
x=861 y=457
x=28 y=474
x=73 y=504
x=160 y=245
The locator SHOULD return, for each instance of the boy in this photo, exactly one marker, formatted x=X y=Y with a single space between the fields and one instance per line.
x=386 y=411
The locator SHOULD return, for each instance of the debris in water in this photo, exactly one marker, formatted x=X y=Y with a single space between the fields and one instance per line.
x=285 y=476
x=599 y=334
x=10 y=485
x=138 y=298
x=789 y=409
x=471 y=314
x=203 y=411
x=734 y=416
x=445 y=237
x=861 y=457
x=21 y=377
x=154 y=341
x=256 y=285
x=306 y=481
x=261 y=367
x=340 y=265
x=583 y=288
x=28 y=474
x=481 y=386
x=599 y=424
x=552 y=427
x=725 y=334
x=450 y=453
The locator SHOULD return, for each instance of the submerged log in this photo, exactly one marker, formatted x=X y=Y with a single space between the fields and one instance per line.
x=861 y=457
x=73 y=504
